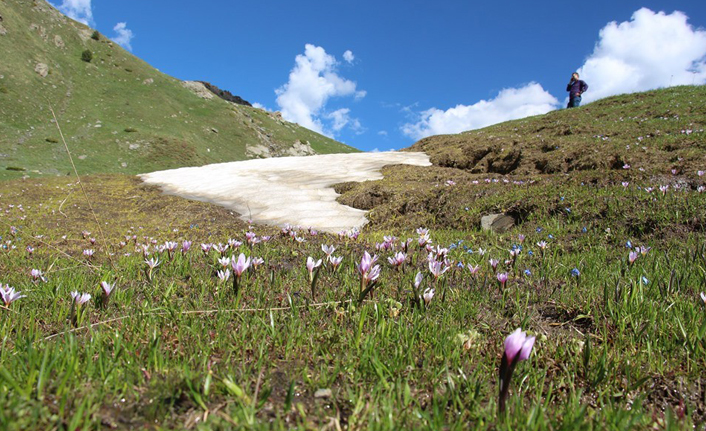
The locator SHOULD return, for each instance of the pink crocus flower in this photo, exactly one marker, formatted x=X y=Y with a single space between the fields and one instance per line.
x=335 y=261
x=437 y=268
x=328 y=250
x=224 y=261
x=542 y=245
x=372 y=275
x=494 y=264
x=700 y=173
x=240 y=265
x=625 y=184
x=206 y=248
x=473 y=269
x=9 y=295
x=37 y=275
x=632 y=257
x=223 y=275
x=311 y=265
x=185 y=246
x=502 y=278
x=80 y=298
x=366 y=263
x=703 y=297
x=518 y=346
x=257 y=261
x=398 y=259
x=88 y=253
x=107 y=288
x=521 y=238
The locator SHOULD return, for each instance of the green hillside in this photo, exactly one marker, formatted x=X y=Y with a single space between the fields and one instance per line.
x=649 y=139
x=119 y=115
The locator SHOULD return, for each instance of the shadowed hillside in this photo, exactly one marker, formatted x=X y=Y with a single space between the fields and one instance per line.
x=117 y=112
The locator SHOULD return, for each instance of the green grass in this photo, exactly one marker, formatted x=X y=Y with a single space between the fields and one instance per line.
x=118 y=113
x=182 y=351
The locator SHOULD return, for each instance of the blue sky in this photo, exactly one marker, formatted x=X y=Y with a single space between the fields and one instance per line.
x=413 y=68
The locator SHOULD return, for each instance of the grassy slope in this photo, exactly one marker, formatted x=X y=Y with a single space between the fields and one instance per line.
x=173 y=126
x=560 y=151
x=621 y=346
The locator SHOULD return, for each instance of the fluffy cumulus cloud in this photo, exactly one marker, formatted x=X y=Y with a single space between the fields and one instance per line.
x=78 y=10
x=348 y=56
x=652 y=50
x=313 y=81
x=123 y=35
x=509 y=104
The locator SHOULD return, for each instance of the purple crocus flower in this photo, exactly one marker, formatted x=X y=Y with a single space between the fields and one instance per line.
x=437 y=268
x=223 y=275
x=335 y=261
x=473 y=269
x=398 y=259
x=632 y=257
x=502 y=278
x=9 y=295
x=185 y=246
x=80 y=298
x=311 y=265
x=328 y=250
x=366 y=263
x=240 y=265
x=494 y=264
x=518 y=347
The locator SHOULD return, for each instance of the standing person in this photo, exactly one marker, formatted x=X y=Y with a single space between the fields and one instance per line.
x=576 y=88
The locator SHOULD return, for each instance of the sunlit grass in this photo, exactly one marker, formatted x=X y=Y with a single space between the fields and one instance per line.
x=618 y=344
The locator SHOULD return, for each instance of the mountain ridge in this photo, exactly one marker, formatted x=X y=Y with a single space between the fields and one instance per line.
x=118 y=114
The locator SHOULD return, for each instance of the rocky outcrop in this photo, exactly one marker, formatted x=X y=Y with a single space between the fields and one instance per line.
x=225 y=94
x=198 y=88
x=42 y=69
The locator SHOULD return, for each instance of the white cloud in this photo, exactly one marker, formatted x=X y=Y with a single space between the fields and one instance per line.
x=382 y=133
x=650 y=51
x=312 y=82
x=261 y=106
x=123 y=35
x=509 y=104
x=348 y=56
x=78 y=10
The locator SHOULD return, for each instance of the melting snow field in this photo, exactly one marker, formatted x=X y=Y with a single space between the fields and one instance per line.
x=284 y=190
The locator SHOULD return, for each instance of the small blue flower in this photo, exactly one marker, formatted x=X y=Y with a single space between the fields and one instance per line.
x=645 y=281
x=628 y=244
x=528 y=272
x=575 y=272
x=460 y=264
x=550 y=236
x=470 y=250
x=539 y=229
x=584 y=230
x=561 y=198
x=530 y=253
x=568 y=210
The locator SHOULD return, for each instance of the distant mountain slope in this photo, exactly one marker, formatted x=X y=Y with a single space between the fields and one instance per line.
x=654 y=131
x=628 y=144
x=117 y=112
